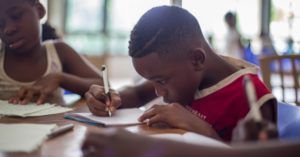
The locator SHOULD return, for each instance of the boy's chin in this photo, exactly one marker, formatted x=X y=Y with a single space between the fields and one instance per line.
x=167 y=101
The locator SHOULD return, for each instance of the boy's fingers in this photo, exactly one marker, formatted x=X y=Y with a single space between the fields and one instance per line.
x=97 y=92
x=116 y=100
x=148 y=114
x=95 y=106
x=92 y=101
x=97 y=112
x=112 y=108
x=155 y=119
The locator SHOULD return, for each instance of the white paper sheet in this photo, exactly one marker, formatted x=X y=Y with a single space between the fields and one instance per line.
x=23 y=137
x=50 y=111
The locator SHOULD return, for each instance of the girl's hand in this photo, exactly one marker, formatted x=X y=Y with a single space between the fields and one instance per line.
x=42 y=90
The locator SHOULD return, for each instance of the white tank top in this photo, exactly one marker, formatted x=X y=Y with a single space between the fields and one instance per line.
x=10 y=87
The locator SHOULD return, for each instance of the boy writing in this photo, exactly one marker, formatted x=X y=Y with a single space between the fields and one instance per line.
x=31 y=70
x=204 y=91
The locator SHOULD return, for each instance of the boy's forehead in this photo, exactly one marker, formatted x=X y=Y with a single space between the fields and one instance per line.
x=153 y=64
x=9 y=4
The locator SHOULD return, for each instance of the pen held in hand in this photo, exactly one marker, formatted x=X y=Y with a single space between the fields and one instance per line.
x=106 y=88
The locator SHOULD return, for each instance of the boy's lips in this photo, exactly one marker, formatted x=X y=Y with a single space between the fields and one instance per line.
x=16 y=44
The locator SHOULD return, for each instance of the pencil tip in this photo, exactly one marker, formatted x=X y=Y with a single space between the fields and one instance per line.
x=103 y=67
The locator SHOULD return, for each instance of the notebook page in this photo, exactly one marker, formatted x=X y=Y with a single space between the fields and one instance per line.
x=49 y=111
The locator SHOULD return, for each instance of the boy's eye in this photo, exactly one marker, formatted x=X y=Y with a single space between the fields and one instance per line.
x=17 y=16
x=162 y=82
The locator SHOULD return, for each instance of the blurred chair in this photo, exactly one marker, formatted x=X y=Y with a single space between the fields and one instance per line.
x=281 y=75
x=288 y=124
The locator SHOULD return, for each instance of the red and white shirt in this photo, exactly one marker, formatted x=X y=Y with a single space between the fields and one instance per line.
x=225 y=103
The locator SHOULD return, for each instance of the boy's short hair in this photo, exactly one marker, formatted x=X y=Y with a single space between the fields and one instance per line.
x=164 y=30
x=32 y=1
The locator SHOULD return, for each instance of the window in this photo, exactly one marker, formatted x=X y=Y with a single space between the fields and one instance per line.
x=83 y=25
x=210 y=15
x=285 y=24
x=102 y=26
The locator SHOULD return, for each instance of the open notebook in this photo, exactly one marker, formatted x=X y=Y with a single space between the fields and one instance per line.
x=120 y=117
x=30 y=110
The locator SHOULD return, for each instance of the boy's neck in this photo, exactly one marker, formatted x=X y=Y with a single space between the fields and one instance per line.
x=217 y=70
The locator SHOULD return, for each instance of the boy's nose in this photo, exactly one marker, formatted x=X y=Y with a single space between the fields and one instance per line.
x=9 y=29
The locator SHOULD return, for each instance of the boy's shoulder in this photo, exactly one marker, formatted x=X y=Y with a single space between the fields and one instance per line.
x=240 y=63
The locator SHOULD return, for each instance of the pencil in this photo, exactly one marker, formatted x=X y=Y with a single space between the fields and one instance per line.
x=106 y=87
x=61 y=130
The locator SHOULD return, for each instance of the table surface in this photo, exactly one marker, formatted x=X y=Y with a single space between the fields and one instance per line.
x=69 y=144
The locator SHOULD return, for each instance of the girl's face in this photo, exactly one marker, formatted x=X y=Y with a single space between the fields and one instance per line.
x=19 y=24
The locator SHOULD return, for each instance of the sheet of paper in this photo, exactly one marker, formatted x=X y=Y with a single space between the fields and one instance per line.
x=23 y=137
x=50 y=111
x=120 y=117
x=30 y=110
x=192 y=138
x=8 y=109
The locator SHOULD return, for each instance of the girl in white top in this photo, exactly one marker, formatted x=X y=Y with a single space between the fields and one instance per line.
x=32 y=71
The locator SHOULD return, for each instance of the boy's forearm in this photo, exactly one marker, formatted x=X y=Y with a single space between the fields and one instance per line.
x=136 y=96
x=201 y=127
x=205 y=129
x=77 y=84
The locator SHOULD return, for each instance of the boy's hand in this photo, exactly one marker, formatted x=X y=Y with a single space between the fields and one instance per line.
x=114 y=142
x=43 y=89
x=250 y=130
x=97 y=101
x=175 y=115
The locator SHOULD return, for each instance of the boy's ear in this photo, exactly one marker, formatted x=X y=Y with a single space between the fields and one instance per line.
x=40 y=9
x=198 y=57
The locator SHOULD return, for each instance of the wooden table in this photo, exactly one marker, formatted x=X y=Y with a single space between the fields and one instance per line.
x=69 y=144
